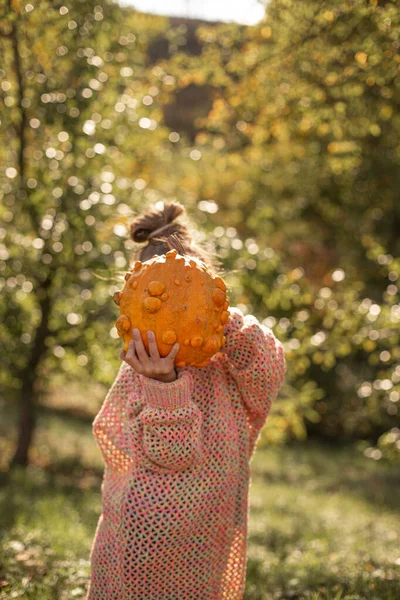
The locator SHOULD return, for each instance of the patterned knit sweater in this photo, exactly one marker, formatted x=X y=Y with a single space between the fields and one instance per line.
x=175 y=488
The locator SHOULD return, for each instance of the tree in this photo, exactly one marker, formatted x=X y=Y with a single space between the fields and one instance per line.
x=304 y=138
x=69 y=172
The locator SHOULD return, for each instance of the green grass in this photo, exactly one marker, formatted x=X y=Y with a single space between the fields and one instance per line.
x=324 y=522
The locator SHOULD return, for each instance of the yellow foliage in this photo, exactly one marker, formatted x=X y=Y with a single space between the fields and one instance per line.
x=318 y=358
x=266 y=32
x=254 y=84
x=218 y=103
x=299 y=430
x=323 y=129
x=342 y=147
x=235 y=101
x=337 y=131
x=386 y=112
x=275 y=432
x=375 y=130
x=260 y=135
x=302 y=365
x=277 y=130
x=299 y=151
x=305 y=125
x=369 y=345
x=344 y=348
x=367 y=241
x=328 y=15
x=329 y=360
x=331 y=79
x=202 y=138
x=235 y=159
x=199 y=78
x=361 y=58
x=185 y=80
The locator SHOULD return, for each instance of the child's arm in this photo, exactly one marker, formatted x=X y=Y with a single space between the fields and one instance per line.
x=110 y=426
x=171 y=424
x=257 y=363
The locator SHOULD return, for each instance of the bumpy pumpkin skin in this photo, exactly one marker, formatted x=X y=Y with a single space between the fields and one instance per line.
x=178 y=298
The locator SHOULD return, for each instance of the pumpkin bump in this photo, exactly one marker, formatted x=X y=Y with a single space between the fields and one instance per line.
x=179 y=299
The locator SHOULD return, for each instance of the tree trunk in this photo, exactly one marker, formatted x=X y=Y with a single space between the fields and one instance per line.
x=29 y=374
x=27 y=422
x=27 y=398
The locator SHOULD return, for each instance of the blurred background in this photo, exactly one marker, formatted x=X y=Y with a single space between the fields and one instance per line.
x=277 y=126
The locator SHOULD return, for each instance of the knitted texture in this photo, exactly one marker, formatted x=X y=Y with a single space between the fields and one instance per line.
x=176 y=480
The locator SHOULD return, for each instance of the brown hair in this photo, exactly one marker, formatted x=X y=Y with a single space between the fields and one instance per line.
x=162 y=232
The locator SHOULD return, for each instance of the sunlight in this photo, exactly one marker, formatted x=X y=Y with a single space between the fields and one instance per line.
x=238 y=11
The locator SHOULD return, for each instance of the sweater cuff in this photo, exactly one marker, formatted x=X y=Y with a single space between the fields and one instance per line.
x=175 y=394
x=240 y=350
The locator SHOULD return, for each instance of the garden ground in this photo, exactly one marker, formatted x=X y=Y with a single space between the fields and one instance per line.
x=324 y=521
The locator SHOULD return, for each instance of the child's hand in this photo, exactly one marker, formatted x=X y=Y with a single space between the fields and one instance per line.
x=151 y=366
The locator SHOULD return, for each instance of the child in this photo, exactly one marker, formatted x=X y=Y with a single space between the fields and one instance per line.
x=177 y=444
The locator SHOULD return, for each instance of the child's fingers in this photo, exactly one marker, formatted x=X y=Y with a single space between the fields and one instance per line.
x=140 y=349
x=175 y=349
x=154 y=353
x=131 y=353
x=131 y=358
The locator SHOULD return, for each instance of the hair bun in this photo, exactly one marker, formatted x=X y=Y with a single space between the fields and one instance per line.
x=157 y=222
x=140 y=235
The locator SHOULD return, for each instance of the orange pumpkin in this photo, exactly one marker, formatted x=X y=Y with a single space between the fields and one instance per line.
x=178 y=298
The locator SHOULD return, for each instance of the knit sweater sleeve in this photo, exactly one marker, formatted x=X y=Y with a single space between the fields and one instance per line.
x=256 y=361
x=172 y=439
x=110 y=427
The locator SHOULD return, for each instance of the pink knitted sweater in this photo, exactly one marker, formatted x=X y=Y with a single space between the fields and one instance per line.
x=176 y=480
